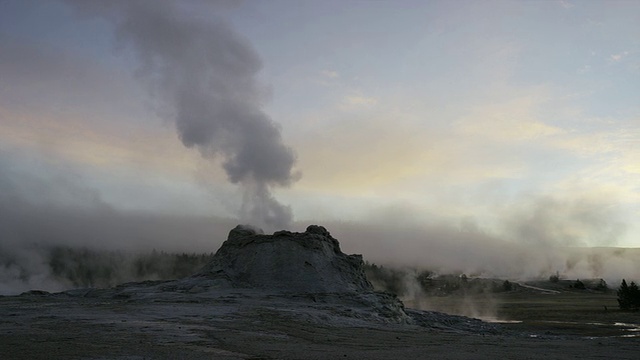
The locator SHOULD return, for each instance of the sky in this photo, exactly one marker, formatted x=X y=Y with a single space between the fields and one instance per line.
x=465 y=126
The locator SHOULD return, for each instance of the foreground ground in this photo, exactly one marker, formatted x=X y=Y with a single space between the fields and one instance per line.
x=254 y=325
x=546 y=309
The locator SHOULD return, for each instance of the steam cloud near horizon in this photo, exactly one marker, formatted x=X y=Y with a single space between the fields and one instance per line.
x=40 y=211
x=204 y=77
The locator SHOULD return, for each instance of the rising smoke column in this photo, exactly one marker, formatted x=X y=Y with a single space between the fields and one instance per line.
x=204 y=75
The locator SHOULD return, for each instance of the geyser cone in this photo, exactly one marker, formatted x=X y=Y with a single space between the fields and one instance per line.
x=309 y=262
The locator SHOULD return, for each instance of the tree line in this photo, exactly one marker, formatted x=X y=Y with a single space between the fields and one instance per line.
x=83 y=267
x=629 y=296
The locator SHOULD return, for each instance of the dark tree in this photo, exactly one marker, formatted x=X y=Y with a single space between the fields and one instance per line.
x=507 y=286
x=634 y=295
x=628 y=296
x=579 y=285
x=602 y=286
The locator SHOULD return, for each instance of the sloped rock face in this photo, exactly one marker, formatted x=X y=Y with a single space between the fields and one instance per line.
x=308 y=262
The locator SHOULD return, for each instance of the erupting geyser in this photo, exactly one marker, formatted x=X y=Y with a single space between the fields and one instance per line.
x=204 y=77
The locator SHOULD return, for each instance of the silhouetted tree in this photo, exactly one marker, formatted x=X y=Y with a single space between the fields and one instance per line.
x=507 y=286
x=579 y=285
x=628 y=296
x=387 y=279
x=602 y=286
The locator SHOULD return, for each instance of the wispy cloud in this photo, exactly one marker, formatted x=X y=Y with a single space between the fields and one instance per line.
x=511 y=121
x=98 y=145
x=351 y=102
x=584 y=69
x=330 y=74
x=619 y=56
x=566 y=4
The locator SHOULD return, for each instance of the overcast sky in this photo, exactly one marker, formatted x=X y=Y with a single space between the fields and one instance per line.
x=518 y=121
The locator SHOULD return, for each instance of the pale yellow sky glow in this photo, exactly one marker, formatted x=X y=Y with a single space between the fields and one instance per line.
x=75 y=141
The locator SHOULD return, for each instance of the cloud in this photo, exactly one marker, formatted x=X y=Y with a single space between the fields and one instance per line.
x=49 y=203
x=352 y=101
x=584 y=69
x=567 y=219
x=566 y=4
x=38 y=77
x=331 y=74
x=610 y=156
x=100 y=145
x=395 y=147
x=510 y=121
x=619 y=56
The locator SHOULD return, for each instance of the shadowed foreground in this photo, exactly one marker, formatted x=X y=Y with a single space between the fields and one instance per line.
x=255 y=325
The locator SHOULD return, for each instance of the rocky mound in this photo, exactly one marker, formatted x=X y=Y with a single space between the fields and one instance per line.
x=304 y=275
x=308 y=262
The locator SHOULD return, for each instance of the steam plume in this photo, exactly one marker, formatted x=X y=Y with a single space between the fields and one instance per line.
x=204 y=74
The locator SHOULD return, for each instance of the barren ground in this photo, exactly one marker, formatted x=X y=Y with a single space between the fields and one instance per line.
x=248 y=324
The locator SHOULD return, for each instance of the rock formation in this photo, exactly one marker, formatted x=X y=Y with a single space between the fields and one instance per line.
x=305 y=275
x=309 y=262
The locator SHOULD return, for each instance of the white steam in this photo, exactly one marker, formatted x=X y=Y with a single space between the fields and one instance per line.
x=204 y=77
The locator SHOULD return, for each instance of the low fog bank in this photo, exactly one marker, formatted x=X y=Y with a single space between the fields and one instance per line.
x=45 y=206
x=31 y=233
x=425 y=290
x=28 y=227
x=52 y=209
x=33 y=228
x=35 y=238
x=449 y=250
x=58 y=268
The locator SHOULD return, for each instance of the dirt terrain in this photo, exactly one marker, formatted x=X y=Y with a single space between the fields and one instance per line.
x=249 y=324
